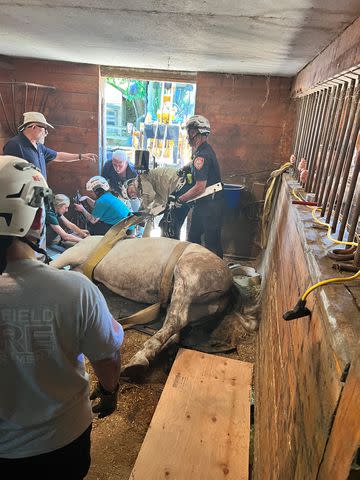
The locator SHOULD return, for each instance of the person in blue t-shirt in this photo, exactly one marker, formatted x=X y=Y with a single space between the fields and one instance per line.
x=107 y=209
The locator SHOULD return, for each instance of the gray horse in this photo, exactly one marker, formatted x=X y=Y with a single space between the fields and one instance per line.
x=133 y=268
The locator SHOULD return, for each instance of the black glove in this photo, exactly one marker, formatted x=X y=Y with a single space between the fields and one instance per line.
x=183 y=171
x=175 y=202
x=107 y=400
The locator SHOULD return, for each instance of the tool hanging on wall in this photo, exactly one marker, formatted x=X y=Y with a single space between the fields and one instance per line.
x=17 y=98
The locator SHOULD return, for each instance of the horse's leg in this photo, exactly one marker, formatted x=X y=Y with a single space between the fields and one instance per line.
x=176 y=319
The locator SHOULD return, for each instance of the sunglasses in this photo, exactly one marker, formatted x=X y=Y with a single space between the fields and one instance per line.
x=41 y=126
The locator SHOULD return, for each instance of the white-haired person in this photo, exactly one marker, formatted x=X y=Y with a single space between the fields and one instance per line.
x=57 y=235
x=49 y=320
x=117 y=170
x=107 y=210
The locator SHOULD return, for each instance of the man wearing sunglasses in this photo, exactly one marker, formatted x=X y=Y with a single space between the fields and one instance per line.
x=29 y=144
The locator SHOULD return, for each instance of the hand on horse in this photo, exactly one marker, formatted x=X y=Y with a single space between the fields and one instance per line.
x=107 y=400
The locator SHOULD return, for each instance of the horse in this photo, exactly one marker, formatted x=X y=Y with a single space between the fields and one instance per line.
x=134 y=267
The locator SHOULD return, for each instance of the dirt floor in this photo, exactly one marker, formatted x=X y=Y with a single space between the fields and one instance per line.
x=116 y=440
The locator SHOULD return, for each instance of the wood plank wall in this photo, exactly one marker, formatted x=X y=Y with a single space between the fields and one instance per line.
x=252 y=122
x=300 y=363
x=73 y=110
x=6 y=74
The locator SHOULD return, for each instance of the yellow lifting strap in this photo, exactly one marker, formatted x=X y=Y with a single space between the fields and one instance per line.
x=151 y=313
x=112 y=236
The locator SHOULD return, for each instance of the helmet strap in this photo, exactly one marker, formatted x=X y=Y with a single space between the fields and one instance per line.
x=36 y=248
x=5 y=243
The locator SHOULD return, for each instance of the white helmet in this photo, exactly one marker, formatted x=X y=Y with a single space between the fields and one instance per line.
x=126 y=185
x=23 y=190
x=199 y=122
x=97 y=182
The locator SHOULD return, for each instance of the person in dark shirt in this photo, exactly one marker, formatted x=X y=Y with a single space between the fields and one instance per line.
x=55 y=234
x=29 y=144
x=207 y=212
x=117 y=170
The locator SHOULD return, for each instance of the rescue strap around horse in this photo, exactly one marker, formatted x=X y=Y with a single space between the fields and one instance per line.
x=151 y=313
x=112 y=236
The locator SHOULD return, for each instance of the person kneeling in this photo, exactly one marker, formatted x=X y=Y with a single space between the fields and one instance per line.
x=107 y=209
x=55 y=234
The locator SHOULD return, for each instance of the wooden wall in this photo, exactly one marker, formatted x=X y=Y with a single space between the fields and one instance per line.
x=252 y=122
x=300 y=384
x=73 y=110
x=6 y=74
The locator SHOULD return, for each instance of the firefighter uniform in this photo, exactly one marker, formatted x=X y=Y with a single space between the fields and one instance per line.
x=207 y=212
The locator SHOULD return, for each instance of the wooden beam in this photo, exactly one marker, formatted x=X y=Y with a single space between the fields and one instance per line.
x=148 y=74
x=201 y=426
x=340 y=56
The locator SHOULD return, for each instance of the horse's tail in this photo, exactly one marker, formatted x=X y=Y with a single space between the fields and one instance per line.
x=245 y=307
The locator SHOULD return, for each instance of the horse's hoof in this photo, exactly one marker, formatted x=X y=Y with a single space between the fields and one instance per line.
x=133 y=371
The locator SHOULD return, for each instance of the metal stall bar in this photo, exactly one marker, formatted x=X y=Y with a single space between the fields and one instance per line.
x=335 y=90
x=312 y=167
x=342 y=141
x=305 y=103
x=307 y=132
x=348 y=202
x=310 y=138
x=297 y=106
x=355 y=218
x=300 y=111
x=305 y=129
x=310 y=127
x=348 y=151
x=324 y=193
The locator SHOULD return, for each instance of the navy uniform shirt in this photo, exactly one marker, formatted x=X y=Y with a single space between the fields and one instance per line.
x=20 y=146
x=205 y=165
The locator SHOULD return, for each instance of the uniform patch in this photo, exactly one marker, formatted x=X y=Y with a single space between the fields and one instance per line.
x=198 y=163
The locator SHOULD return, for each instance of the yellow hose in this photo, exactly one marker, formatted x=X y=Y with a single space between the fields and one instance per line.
x=330 y=280
x=313 y=210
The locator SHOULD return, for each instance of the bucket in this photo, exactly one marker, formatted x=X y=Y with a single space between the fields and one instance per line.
x=232 y=194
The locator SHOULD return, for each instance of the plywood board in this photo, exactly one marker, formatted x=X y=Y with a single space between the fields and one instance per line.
x=201 y=426
x=344 y=438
